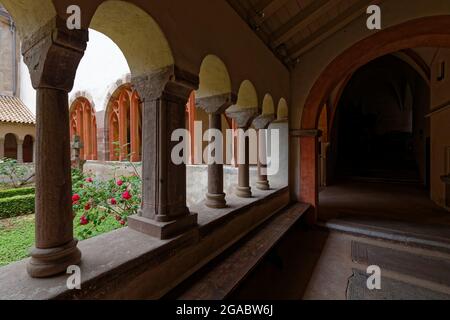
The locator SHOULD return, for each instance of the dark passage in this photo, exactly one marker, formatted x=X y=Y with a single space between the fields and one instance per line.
x=380 y=129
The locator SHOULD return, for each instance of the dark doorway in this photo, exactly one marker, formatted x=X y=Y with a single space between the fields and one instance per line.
x=10 y=146
x=381 y=123
x=28 y=149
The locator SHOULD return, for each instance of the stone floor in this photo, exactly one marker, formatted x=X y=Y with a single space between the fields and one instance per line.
x=316 y=263
x=381 y=201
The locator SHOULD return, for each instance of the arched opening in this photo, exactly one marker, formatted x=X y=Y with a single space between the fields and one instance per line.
x=11 y=146
x=424 y=32
x=123 y=119
x=380 y=123
x=83 y=123
x=28 y=149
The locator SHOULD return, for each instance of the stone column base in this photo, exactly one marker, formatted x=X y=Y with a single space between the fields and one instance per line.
x=263 y=185
x=163 y=230
x=50 y=262
x=216 y=201
x=244 y=192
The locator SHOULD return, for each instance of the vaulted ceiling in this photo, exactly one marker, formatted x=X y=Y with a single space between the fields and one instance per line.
x=292 y=27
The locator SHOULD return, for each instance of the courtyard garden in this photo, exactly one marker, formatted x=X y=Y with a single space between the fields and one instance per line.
x=99 y=206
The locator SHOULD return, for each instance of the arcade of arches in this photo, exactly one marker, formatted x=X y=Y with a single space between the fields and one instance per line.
x=364 y=150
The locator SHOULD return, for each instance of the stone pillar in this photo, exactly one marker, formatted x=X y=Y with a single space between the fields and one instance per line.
x=164 y=95
x=52 y=56
x=20 y=151
x=243 y=118
x=309 y=171
x=2 y=148
x=215 y=106
x=261 y=124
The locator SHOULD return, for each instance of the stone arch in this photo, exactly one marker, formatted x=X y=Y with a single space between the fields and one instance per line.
x=123 y=125
x=214 y=78
x=247 y=96
x=268 y=106
x=29 y=15
x=84 y=95
x=423 y=32
x=282 y=110
x=83 y=123
x=121 y=21
x=433 y=31
x=112 y=89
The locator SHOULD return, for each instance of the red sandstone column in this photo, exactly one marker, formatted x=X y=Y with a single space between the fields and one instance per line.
x=53 y=55
x=123 y=127
x=94 y=139
x=80 y=128
x=215 y=106
x=309 y=171
x=134 y=125
x=86 y=132
x=164 y=94
x=243 y=118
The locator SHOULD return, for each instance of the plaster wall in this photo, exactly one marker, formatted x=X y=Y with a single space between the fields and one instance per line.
x=440 y=129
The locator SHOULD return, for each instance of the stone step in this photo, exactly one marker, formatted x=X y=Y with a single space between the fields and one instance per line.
x=432 y=237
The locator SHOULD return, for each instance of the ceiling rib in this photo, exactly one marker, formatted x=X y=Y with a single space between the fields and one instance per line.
x=329 y=28
x=300 y=21
x=265 y=9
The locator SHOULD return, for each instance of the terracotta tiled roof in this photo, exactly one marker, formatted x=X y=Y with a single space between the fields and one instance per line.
x=12 y=109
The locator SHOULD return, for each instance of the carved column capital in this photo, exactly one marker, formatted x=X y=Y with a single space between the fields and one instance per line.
x=263 y=121
x=216 y=104
x=53 y=54
x=169 y=82
x=243 y=117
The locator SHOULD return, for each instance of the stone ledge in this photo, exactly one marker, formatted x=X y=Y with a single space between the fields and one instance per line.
x=126 y=264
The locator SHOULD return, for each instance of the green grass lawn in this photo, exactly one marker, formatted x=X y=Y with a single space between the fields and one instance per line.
x=17 y=236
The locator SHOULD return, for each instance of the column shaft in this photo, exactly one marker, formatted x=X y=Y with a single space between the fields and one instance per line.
x=263 y=182
x=164 y=212
x=55 y=246
x=244 y=190
x=134 y=127
x=2 y=148
x=215 y=198
x=20 y=151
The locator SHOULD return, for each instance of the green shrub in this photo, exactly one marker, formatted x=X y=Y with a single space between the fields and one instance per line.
x=17 y=206
x=16 y=192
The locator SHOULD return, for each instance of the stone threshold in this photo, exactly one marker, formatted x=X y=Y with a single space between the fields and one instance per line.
x=125 y=264
x=394 y=234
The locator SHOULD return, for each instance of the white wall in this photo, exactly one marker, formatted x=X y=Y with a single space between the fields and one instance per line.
x=102 y=65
